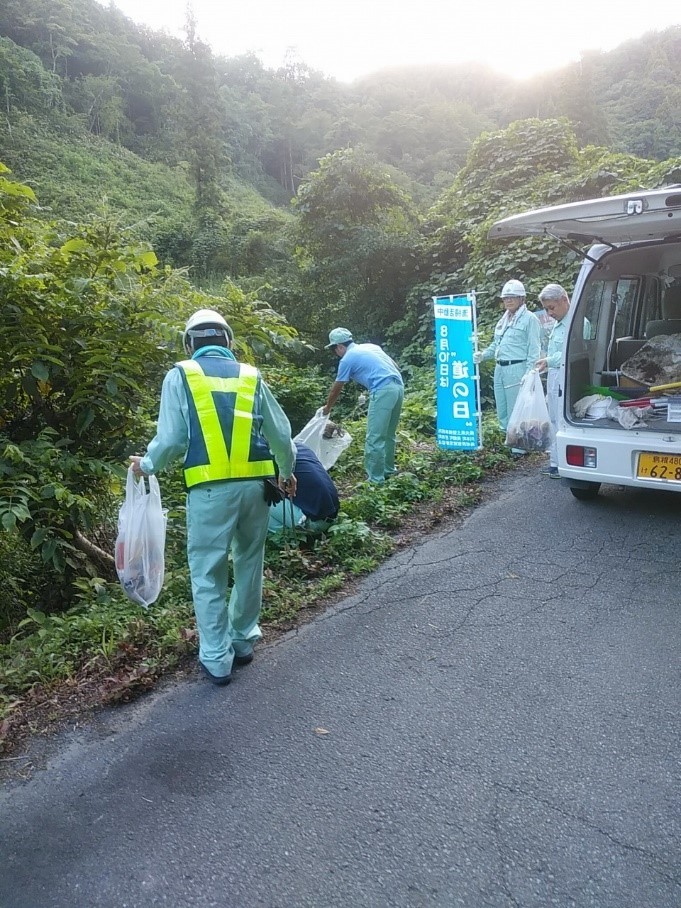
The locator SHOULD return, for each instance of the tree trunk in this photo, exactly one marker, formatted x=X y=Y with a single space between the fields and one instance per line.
x=94 y=553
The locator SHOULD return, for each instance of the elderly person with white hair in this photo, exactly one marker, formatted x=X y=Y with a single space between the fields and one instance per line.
x=515 y=347
x=556 y=303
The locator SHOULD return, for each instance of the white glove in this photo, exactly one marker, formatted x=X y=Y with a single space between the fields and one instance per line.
x=361 y=400
x=477 y=357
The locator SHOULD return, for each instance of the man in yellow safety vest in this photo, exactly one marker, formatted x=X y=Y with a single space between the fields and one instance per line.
x=223 y=418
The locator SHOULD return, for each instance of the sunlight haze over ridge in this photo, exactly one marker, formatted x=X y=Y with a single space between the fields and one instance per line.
x=516 y=38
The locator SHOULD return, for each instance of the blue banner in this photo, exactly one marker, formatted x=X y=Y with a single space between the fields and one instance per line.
x=458 y=389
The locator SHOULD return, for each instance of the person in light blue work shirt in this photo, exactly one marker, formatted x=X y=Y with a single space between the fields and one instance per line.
x=515 y=348
x=370 y=366
x=221 y=416
x=556 y=303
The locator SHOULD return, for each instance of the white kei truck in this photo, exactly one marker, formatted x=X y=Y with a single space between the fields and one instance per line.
x=627 y=294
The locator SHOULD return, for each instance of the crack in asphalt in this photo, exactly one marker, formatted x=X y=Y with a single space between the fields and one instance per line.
x=652 y=860
x=498 y=841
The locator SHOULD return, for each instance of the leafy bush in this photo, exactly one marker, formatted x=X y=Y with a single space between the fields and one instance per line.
x=91 y=325
x=419 y=408
x=23 y=582
x=299 y=391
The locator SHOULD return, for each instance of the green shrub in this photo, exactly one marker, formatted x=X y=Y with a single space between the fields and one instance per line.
x=301 y=392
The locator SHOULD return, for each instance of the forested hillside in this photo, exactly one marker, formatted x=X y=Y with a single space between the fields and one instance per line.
x=202 y=155
x=76 y=64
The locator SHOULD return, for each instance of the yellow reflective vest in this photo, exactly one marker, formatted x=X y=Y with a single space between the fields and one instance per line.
x=225 y=441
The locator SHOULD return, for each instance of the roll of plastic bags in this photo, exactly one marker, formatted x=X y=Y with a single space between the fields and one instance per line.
x=140 y=545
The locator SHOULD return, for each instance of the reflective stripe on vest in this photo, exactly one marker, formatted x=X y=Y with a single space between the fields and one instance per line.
x=223 y=461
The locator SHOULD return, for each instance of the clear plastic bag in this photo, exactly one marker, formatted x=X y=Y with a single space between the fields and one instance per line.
x=332 y=446
x=140 y=545
x=327 y=447
x=312 y=433
x=529 y=428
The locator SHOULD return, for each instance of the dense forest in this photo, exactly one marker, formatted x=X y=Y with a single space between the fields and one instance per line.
x=74 y=62
x=143 y=177
x=204 y=154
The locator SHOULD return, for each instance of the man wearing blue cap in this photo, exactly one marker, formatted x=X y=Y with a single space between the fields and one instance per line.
x=371 y=367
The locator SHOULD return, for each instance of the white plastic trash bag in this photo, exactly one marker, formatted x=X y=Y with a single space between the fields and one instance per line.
x=529 y=428
x=328 y=450
x=140 y=545
x=312 y=433
x=331 y=448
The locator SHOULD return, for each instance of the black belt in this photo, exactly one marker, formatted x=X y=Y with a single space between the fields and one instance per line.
x=509 y=362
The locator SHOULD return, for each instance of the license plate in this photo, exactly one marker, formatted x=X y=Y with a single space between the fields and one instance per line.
x=665 y=467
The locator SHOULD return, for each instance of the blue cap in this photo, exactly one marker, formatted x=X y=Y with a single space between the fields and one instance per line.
x=339 y=336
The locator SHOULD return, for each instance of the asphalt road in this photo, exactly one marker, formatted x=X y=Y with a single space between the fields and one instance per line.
x=491 y=720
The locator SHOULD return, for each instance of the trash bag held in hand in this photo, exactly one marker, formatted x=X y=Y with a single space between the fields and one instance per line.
x=140 y=546
x=529 y=427
x=312 y=433
x=327 y=445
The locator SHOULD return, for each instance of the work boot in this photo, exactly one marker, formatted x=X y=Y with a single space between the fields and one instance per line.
x=219 y=680
x=243 y=660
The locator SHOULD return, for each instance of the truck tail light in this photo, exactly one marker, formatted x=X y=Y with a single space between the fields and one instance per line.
x=577 y=456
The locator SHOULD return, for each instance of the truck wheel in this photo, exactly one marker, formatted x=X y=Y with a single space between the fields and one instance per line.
x=586 y=492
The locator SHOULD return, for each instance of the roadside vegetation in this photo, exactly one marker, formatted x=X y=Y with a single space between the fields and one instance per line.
x=91 y=324
x=103 y=648
x=142 y=178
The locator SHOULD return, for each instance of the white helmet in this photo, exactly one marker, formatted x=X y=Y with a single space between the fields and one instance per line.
x=513 y=288
x=205 y=323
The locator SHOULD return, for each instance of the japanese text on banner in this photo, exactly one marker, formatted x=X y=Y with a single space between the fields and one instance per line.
x=458 y=407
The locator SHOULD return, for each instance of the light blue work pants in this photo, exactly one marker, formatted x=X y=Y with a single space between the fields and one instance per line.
x=506 y=387
x=385 y=406
x=221 y=516
x=280 y=521
x=284 y=515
